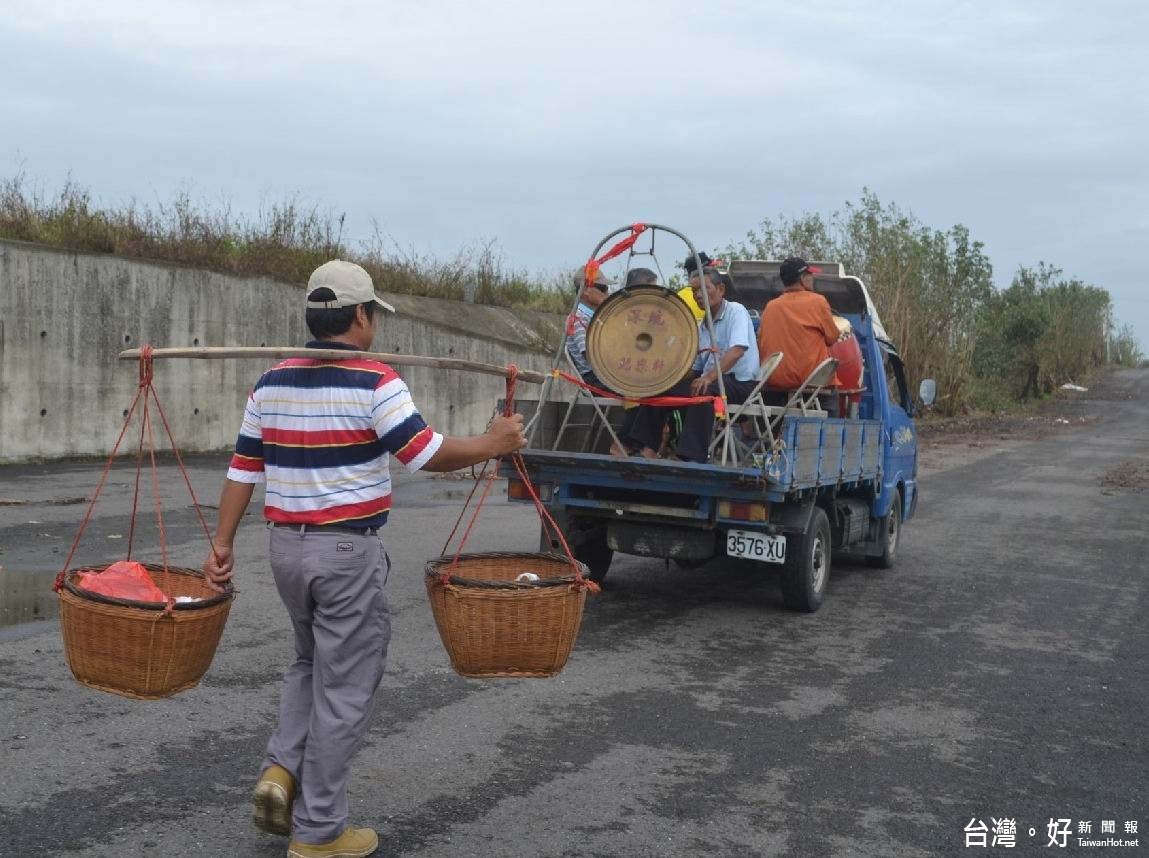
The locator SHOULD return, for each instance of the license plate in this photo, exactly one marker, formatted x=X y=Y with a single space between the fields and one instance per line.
x=756 y=546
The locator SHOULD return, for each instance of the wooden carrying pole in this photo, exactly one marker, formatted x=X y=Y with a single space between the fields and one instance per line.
x=267 y=353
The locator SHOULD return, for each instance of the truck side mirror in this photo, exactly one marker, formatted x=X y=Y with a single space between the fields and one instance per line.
x=928 y=392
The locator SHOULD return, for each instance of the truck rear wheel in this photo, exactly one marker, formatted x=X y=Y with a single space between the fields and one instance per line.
x=889 y=535
x=596 y=554
x=807 y=569
x=587 y=541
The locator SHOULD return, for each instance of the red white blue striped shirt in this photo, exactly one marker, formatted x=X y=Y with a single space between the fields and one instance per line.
x=320 y=433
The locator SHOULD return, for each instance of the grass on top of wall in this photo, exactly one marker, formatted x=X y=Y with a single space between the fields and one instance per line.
x=286 y=242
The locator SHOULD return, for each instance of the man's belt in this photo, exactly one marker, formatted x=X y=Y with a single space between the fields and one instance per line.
x=327 y=528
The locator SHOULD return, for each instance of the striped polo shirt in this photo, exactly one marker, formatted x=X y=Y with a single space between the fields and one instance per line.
x=320 y=433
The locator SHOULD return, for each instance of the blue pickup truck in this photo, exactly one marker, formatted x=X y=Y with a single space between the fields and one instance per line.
x=820 y=484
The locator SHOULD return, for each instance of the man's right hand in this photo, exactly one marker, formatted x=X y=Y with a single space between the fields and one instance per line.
x=507 y=434
x=219 y=565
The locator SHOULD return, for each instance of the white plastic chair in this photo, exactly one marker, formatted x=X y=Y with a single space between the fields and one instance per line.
x=599 y=403
x=805 y=398
x=764 y=420
x=729 y=429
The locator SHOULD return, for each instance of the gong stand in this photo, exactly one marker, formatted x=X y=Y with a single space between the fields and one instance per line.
x=641 y=340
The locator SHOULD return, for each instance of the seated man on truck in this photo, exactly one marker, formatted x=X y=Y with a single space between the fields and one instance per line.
x=799 y=324
x=641 y=277
x=686 y=293
x=735 y=356
x=590 y=298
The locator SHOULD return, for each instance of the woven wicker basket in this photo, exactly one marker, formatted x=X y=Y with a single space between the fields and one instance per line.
x=139 y=649
x=492 y=626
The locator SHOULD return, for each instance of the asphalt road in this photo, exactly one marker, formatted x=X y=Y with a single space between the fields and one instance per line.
x=999 y=672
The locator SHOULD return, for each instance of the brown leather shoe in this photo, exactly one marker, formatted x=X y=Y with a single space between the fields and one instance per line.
x=273 y=797
x=352 y=843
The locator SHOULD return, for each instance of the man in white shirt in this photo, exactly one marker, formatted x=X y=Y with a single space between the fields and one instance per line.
x=734 y=356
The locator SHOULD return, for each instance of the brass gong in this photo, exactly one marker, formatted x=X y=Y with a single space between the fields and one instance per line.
x=642 y=341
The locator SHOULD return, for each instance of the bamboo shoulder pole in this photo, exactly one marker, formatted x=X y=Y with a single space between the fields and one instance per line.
x=271 y=352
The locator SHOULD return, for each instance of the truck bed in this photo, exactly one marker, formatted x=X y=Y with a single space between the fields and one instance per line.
x=816 y=452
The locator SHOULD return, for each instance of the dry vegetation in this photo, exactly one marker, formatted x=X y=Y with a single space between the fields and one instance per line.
x=286 y=241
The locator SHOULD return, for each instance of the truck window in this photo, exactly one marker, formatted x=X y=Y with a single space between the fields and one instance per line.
x=896 y=379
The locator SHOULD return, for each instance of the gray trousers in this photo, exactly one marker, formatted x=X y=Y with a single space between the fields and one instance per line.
x=332 y=585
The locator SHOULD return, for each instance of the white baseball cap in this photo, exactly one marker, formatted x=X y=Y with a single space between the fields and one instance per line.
x=600 y=279
x=350 y=283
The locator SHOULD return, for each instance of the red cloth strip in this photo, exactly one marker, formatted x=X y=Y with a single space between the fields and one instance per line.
x=663 y=401
x=626 y=244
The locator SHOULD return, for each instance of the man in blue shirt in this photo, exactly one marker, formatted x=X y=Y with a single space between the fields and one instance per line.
x=734 y=356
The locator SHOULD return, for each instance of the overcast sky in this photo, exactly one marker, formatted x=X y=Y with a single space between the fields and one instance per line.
x=543 y=126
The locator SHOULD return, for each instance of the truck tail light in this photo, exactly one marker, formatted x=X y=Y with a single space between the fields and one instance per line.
x=517 y=490
x=743 y=510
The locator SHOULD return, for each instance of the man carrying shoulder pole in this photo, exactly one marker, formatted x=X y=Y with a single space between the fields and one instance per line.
x=320 y=434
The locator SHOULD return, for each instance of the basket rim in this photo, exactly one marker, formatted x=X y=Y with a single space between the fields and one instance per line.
x=209 y=602
x=433 y=570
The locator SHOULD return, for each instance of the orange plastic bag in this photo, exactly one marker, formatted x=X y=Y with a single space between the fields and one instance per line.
x=125 y=579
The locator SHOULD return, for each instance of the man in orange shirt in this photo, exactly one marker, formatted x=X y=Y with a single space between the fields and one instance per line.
x=797 y=323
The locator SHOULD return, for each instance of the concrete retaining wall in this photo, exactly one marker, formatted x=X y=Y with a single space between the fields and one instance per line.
x=65 y=316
